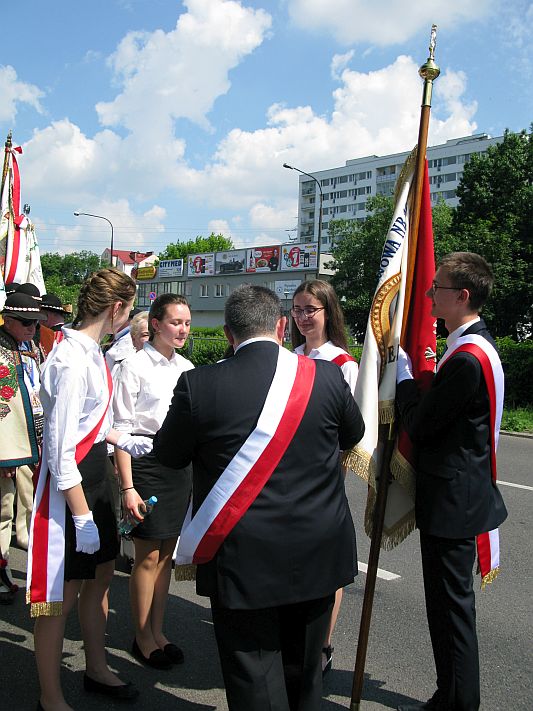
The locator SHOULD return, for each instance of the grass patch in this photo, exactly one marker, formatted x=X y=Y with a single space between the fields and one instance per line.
x=519 y=419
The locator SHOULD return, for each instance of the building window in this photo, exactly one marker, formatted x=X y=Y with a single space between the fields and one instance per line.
x=343 y=179
x=219 y=290
x=228 y=290
x=141 y=292
x=188 y=288
x=204 y=290
x=324 y=182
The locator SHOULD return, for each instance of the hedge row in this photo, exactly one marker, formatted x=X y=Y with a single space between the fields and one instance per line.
x=517 y=360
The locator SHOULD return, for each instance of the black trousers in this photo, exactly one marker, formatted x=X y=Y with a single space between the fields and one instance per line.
x=271 y=658
x=451 y=610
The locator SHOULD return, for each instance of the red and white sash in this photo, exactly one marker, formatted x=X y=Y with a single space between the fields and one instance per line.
x=488 y=543
x=244 y=477
x=46 y=553
x=343 y=358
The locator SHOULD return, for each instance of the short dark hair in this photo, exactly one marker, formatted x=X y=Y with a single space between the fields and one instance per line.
x=335 y=327
x=158 y=309
x=468 y=270
x=252 y=311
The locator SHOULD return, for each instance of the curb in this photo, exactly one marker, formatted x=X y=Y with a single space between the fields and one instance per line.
x=525 y=435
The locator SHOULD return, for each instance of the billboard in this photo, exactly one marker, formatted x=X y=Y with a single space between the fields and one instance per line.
x=143 y=273
x=263 y=259
x=201 y=264
x=170 y=268
x=298 y=256
x=231 y=262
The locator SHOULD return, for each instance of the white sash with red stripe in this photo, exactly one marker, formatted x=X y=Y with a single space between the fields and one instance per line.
x=46 y=552
x=488 y=543
x=246 y=474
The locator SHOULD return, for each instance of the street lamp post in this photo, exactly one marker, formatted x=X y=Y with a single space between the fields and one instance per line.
x=100 y=217
x=321 y=199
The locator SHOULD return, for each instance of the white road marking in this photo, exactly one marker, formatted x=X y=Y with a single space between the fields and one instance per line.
x=384 y=574
x=517 y=486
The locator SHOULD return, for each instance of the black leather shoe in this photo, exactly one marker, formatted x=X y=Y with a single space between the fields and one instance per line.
x=124 y=692
x=433 y=704
x=157 y=659
x=174 y=653
x=328 y=655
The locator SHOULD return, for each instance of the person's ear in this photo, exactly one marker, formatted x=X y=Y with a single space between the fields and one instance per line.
x=229 y=335
x=280 y=329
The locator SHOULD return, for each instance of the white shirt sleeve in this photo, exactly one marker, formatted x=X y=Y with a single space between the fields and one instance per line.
x=126 y=391
x=63 y=393
x=350 y=370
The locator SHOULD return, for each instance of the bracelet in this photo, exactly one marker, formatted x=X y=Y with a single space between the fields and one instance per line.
x=126 y=489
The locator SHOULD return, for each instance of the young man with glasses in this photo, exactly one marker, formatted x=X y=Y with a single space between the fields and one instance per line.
x=454 y=427
x=21 y=420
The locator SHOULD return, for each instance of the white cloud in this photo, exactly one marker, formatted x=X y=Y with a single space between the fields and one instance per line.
x=219 y=227
x=340 y=62
x=14 y=92
x=392 y=23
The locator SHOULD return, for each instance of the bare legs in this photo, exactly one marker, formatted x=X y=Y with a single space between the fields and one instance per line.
x=332 y=623
x=49 y=634
x=149 y=583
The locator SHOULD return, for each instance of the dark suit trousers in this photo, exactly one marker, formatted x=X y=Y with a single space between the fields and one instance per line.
x=271 y=658
x=451 y=610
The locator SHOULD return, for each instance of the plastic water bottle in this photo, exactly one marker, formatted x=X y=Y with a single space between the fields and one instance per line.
x=126 y=525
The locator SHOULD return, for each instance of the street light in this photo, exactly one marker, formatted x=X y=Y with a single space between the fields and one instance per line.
x=291 y=167
x=100 y=217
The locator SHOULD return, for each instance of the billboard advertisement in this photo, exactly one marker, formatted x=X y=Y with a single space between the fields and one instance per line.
x=263 y=259
x=201 y=265
x=298 y=256
x=170 y=268
x=231 y=262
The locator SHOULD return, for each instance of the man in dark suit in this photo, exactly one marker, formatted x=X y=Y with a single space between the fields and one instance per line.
x=456 y=494
x=273 y=571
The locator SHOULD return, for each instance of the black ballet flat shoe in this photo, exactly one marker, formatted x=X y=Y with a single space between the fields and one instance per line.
x=174 y=653
x=157 y=659
x=124 y=692
x=328 y=654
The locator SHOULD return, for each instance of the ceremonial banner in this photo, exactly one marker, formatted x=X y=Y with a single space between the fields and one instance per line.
x=18 y=241
x=376 y=383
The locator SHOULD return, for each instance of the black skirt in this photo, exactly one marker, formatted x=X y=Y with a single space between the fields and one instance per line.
x=173 y=490
x=97 y=489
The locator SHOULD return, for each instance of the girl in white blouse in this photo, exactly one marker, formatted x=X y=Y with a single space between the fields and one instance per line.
x=73 y=540
x=318 y=331
x=144 y=388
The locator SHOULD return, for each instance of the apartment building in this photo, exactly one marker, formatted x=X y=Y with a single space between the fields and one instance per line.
x=346 y=189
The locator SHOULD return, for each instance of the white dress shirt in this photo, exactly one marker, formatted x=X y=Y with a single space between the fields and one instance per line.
x=454 y=335
x=73 y=384
x=327 y=351
x=144 y=386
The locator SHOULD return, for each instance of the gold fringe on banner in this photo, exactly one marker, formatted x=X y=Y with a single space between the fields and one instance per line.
x=359 y=462
x=391 y=537
x=185 y=572
x=386 y=412
x=403 y=472
x=44 y=609
x=490 y=577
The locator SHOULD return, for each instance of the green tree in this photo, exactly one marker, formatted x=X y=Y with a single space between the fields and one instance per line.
x=495 y=218
x=200 y=245
x=64 y=274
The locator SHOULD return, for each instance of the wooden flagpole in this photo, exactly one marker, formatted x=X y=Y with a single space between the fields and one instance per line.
x=428 y=71
x=7 y=149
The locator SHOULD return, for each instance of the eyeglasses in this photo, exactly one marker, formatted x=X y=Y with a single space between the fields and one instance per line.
x=25 y=321
x=435 y=286
x=306 y=312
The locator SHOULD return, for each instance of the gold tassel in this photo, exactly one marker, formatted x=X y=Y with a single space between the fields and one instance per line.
x=490 y=577
x=386 y=412
x=185 y=572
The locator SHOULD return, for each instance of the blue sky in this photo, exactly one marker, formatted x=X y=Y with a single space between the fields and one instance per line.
x=173 y=119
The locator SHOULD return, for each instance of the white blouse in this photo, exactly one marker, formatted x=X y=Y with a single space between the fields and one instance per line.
x=73 y=384
x=327 y=351
x=144 y=386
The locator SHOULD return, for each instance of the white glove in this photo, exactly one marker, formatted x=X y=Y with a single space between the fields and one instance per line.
x=87 y=538
x=135 y=446
x=404 y=369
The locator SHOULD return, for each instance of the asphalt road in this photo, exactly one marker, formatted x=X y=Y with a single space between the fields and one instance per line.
x=399 y=661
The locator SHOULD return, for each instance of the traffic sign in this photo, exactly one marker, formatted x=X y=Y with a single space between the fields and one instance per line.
x=152 y=296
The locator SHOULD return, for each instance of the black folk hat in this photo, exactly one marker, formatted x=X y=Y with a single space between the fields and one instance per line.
x=21 y=305
x=30 y=290
x=51 y=302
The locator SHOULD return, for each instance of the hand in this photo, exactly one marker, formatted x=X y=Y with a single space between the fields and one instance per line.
x=132 y=504
x=404 y=370
x=87 y=538
x=8 y=472
x=135 y=446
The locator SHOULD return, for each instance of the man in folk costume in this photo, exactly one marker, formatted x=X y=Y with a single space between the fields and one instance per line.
x=271 y=529
x=55 y=313
x=454 y=427
x=20 y=423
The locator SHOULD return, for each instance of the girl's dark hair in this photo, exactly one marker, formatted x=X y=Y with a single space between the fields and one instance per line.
x=101 y=290
x=158 y=309
x=335 y=327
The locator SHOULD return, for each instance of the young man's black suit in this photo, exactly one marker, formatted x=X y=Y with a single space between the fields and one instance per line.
x=456 y=499
x=273 y=580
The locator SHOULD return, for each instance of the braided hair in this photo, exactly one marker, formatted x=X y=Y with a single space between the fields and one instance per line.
x=101 y=290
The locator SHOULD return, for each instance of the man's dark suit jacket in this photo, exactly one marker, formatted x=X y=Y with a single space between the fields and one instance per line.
x=450 y=426
x=297 y=541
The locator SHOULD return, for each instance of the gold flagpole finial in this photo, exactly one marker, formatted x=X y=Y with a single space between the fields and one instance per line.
x=430 y=70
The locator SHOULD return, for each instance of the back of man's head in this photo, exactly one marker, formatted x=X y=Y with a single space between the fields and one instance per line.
x=468 y=270
x=252 y=311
